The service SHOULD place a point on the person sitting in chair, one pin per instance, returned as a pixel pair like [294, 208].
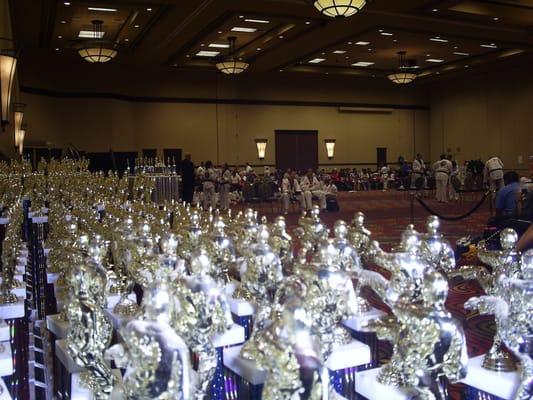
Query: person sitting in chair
[311, 188]
[290, 189]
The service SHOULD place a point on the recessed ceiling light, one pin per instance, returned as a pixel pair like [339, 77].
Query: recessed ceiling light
[434, 60]
[102, 9]
[174, 65]
[67, 3]
[490, 46]
[241, 16]
[202, 44]
[428, 55]
[323, 53]
[219, 45]
[363, 64]
[257, 21]
[339, 52]
[369, 49]
[136, 26]
[438, 73]
[57, 48]
[148, 9]
[281, 36]
[259, 49]
[381, 30]
[438, 39]
[280, 70]
[307, 23]
[63, 22]
[91, 35]
[395, 40]
[126, 40]
[361, 43]
[495, 19]
[188, 56]
[460, 53]
[466, 66]
[435, 10]
[220, 32]
[455, 47]
[206, 53]
[60, 37]
[243, 29]
[386, 34]
[316, 60]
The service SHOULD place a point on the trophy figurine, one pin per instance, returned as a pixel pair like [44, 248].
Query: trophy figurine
[428, 343]
[204, 312]
[504, 263]
[90, 330]
[155, 357]
[438, 250]
[358, 235]
[289, 353]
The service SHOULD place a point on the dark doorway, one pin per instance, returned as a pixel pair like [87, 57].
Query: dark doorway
[297, 150]
[381, 153]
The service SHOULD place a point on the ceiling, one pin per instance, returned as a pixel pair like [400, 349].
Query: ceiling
[444, 37]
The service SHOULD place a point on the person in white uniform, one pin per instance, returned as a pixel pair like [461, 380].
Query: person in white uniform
[384, 173]
[442, 169]
[224, 186]
[290, 188]
[209, 180]
[493, 174]
[418, 170]
[454, 178]
[311, 187]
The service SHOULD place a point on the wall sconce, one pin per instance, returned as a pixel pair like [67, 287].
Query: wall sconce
[261, 147]
[8, 65]
[19, 117]
[330, 147]
[19, 138]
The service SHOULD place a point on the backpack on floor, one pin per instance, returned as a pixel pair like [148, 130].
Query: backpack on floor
[332, 205]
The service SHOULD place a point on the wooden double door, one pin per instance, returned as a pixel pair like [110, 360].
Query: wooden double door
[297, 150]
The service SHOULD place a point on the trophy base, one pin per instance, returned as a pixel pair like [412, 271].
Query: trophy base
[362, 305]
[117, 288]
[125, 308]
[499, 361]
[8, 298]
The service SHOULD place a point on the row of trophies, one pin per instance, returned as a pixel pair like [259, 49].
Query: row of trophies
[152, 165]
[189, 264]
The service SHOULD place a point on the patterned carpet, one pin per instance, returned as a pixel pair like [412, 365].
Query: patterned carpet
[387, 214]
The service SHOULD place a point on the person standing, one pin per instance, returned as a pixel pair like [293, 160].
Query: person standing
[454, 182]
[187, 178]
[493, 174]
[442, 169]
[418, 172]
[209, 179]
[224, 187]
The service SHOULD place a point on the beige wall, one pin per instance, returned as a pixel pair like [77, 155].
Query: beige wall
[486, 115]
[222, 133]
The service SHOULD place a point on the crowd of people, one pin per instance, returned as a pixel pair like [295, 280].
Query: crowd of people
[220, 186]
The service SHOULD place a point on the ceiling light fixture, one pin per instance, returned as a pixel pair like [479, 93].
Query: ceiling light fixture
[8, 66]
[405, 73]
[91, 35]
[148, 9]
[243, 29]
[434, 60]
[67, 3]
[97, 50]
[231, 65]
[102, 9]
[386, 34]
[207, 53]
[316, 60]
[438, 39]
[219, 45]
[339, 8]
[257, 21]
[362, 43]
[460, 53]
[339, 51]
[363, 64]
[489, 46]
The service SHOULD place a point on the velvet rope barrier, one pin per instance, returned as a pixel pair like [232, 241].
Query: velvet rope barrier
[455, 218]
